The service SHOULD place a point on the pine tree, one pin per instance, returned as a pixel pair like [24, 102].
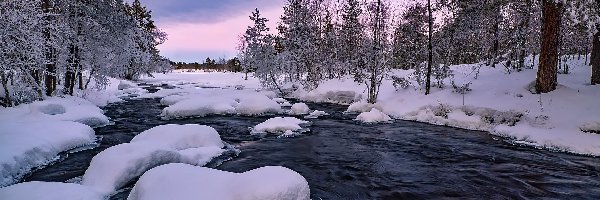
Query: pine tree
[547, 77]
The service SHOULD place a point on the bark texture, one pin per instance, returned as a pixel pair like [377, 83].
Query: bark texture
[547, 72]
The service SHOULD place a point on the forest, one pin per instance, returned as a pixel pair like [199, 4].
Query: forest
[53, 47]
[320, 40]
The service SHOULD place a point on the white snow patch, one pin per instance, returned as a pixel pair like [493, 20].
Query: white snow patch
[373, 116]
[202, 102]
[278, 125]
[316, 114]
[124, 84]
[183, 182]
[118, 165]
[299, 109]
[27, 144]
[48, 191]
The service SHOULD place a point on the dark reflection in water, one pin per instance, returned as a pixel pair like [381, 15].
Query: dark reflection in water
[343, 159]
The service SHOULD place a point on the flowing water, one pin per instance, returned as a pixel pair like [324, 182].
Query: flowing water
[343, 159]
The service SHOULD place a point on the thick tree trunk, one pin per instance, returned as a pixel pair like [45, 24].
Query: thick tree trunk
[430, 48]
[547, 72]
[595, 60]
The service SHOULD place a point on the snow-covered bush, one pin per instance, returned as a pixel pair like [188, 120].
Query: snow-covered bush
[400, 82]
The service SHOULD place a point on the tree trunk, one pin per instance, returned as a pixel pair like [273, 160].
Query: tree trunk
[595, 60]
[546, 75]
[430, 48]
[8, 101]
[50, 79]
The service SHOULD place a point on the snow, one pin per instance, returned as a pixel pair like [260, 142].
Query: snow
[57, 109]
[316, 114]
[498, 102]
[33, 135]
[205, 79]
[181, 181]
[279, 125]
[299, 109]
[48, 191]
[28, 144]
[201, 102]
[373, 116]
[124, 84]
[116, 166]
[341, 91]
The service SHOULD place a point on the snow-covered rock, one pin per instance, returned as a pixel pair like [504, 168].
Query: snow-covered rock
[183, 182]
[316, 114]
[124, 84]
[27, 144]
[360, 107]
[299, 109]
[117, 165]
[279, 125]
[65, 109]
[48, 191]
[202, 102]
[373, 116]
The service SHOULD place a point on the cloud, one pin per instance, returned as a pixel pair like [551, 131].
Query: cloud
[204, 11]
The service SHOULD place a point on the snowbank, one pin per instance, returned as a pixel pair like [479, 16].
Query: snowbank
[181, 181]
[299, 109]
[116, 166]
[498, 102]
[202, 102]
[57, 109]
[373, 116]
[124, 84]
[341, 91]
[278, 125]
[205, 79]
[48, 191]
[25, 145]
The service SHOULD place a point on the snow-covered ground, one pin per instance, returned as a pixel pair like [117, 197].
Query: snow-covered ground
[498, 102]
[183, 182]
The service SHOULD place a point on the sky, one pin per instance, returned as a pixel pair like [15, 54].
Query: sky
[207, 28]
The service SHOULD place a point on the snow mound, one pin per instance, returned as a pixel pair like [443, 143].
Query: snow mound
[279, 125]
[66, 109]
[126, 85]
[373, 116]
[118, 165]
[316, 114]
[48, 191]
[182, 182]
[202, 102]
[199, 107]
[360, 107]
[26, 145]
[590, 127]
[299, 109]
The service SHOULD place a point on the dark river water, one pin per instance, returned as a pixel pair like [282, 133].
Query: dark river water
[344, 159]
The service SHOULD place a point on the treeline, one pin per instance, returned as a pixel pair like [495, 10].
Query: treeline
[53, 47]
[220, 65]
[318, 40]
